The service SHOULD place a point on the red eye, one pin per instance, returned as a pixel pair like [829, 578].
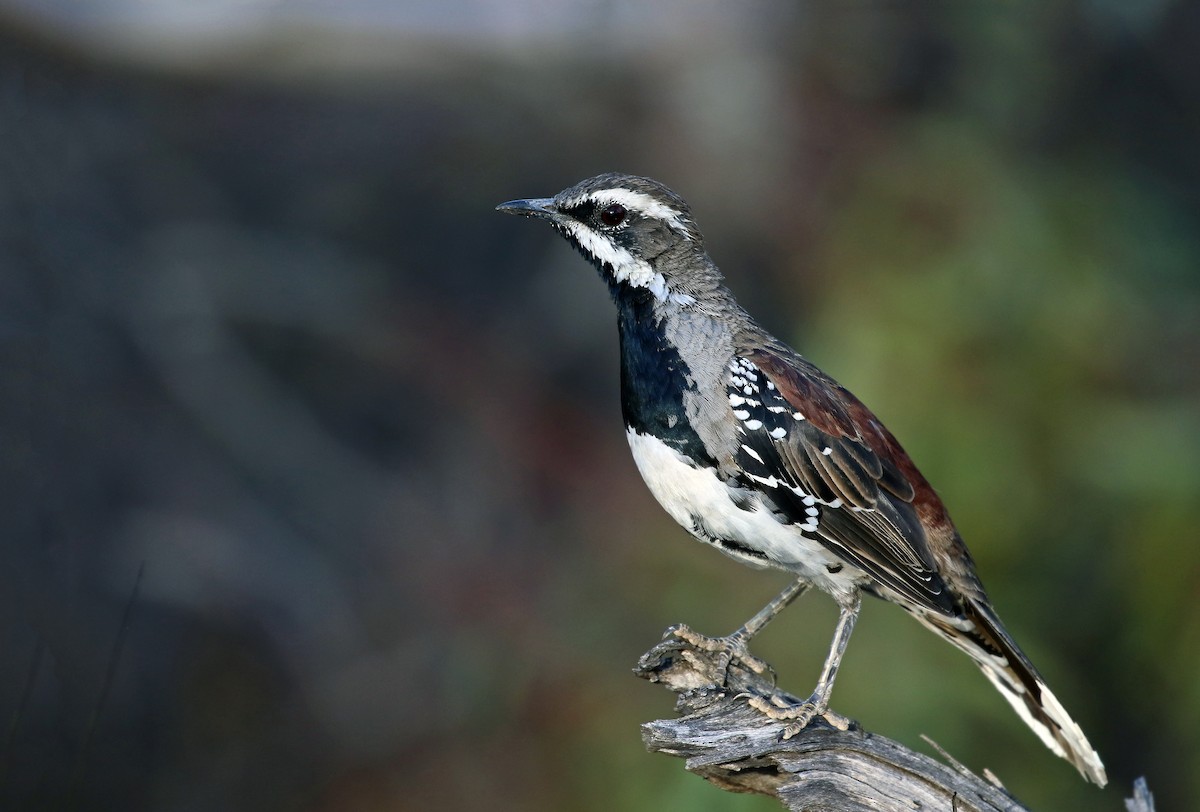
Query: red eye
[613, 215]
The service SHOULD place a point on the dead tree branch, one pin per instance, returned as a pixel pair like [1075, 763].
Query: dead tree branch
[822, 768]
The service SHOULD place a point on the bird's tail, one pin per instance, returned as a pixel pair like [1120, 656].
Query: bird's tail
[981, 635]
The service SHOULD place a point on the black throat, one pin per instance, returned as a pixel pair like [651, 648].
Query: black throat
[654, 378]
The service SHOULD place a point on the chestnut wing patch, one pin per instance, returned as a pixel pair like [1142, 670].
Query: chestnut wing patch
[801, 447]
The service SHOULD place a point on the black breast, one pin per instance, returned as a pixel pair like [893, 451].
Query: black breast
[653, 380]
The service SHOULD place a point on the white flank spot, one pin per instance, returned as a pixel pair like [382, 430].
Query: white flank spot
[754, 425]
[778, 434]
[752, 452]
[741, 414]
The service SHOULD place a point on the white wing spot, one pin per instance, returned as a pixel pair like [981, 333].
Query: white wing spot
[826, 451]
[741, 414]
[736, 400]
[797, 415]
[751, 452]
[812, 511]
[779, 433]
[769, 481]
[753, 425]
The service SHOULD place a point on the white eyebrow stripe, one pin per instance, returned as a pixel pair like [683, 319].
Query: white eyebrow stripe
[634, 201]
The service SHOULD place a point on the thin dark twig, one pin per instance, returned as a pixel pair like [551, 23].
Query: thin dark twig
[105, 688]
[30, 680]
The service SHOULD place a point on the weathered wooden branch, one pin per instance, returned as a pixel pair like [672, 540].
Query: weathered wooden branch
[822, 768]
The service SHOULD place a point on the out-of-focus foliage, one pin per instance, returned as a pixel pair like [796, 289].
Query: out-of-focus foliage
[262, 335]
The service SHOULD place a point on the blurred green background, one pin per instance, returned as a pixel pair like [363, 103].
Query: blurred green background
[262, 334]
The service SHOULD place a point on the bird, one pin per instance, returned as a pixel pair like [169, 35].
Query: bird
[754, 450]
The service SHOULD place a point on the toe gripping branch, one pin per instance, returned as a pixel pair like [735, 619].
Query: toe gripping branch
[706, 670]
[728, 733]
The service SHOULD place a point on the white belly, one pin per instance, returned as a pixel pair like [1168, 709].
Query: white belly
[688, 493]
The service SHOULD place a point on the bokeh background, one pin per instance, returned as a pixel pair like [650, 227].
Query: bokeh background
[316, 494]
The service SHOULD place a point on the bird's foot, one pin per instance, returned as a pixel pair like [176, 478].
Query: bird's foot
[798, 715]
[729, 650]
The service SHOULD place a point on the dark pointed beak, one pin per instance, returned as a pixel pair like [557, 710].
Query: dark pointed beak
[534, 207]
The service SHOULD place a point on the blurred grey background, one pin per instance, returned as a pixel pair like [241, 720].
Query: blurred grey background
[264, 341]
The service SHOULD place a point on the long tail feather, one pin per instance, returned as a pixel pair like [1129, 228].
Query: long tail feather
[981, 635]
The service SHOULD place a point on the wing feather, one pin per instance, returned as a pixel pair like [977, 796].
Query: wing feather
[803, 449]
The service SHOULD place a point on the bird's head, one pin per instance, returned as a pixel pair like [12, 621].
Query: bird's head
[636, 231]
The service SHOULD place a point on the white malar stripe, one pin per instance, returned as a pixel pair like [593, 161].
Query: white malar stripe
[626, 267]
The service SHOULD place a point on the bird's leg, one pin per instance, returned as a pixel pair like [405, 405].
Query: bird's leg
[798, 715]
[735, 646]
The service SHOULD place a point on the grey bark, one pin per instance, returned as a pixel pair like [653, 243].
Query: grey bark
[739, 749]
